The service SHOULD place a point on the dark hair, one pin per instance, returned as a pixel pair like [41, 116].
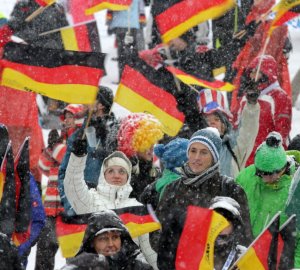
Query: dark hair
[54, 138]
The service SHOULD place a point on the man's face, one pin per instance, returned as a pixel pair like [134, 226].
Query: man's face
[108, 243]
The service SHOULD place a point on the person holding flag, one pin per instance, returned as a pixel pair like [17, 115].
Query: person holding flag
[112, 191]
[267, 183]
[199, 184]
[106, 235]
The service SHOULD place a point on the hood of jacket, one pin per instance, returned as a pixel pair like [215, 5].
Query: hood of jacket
[112, 191]
[102, 220]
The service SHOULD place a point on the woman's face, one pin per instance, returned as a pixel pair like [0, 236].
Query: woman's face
[116, 175]
[199, 158]
[108, 243]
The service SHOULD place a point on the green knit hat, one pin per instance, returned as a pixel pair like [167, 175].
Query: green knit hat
[270, 156]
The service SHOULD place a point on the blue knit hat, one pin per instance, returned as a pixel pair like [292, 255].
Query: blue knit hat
[173, 154]
[210, 137]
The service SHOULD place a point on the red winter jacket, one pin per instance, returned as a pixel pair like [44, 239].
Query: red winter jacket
[275, 106]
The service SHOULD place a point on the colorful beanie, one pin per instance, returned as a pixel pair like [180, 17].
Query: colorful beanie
[270, 156]
[210, 137]
[173, 154]
[138, 132]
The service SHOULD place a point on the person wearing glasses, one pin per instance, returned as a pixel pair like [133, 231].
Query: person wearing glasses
[267, 183]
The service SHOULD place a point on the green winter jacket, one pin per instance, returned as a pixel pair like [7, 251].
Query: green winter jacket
[265, 200]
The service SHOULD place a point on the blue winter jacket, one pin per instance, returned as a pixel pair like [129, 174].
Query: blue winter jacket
[38, 218]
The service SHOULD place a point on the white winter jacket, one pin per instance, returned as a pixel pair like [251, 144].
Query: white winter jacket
[105, 196]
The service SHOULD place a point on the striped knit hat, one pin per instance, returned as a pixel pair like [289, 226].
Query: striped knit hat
[210, 137]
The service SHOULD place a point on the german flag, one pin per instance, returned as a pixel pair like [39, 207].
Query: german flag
[196, 244]
[69, 237]
[69, 76]
[137, 220]
[287, 244]
[176, 17]
[139, 92]
[44, 3]
[7, 192]
[116, 5]
[285, 11]
[22, 178]
[192, 80]
[262, 253]
[83, 37]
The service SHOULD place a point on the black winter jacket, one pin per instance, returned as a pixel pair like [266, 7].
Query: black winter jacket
[126, 258]
[9, 259]
[179, 195]
[52, 17]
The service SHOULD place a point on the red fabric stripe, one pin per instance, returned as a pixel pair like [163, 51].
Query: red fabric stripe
[128, 217]
[65, 229]
[82, 37]
[162, 99]
[193, 237]
[286, 17]
[41, 3]
[262, 248]
[77, 10]
[68, 74]
[181, 12]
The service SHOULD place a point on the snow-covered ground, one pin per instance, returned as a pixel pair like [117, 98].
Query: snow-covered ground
[107, 43]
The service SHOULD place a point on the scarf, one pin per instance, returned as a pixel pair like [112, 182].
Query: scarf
[190, 178]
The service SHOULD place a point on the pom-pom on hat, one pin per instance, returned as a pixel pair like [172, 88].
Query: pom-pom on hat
[270, 156]
[173, 154]
[210, 137]
[138, 132]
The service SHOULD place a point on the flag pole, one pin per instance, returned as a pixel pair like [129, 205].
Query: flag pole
[65, 27]
[37, 12]
[261, 58]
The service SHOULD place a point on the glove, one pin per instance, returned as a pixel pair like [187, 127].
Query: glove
[152, 57]
[79, 147]
[252, 92]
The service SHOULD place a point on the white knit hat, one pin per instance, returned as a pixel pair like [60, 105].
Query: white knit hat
[117, 161]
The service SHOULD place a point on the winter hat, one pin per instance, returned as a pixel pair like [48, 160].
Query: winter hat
[210, 137]
[270, 156]
[210, 101]
[105, 96]
[118, 159]
[268, 67]
[138, 132]
[173, 154]
[76, 110]
[228, 208]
